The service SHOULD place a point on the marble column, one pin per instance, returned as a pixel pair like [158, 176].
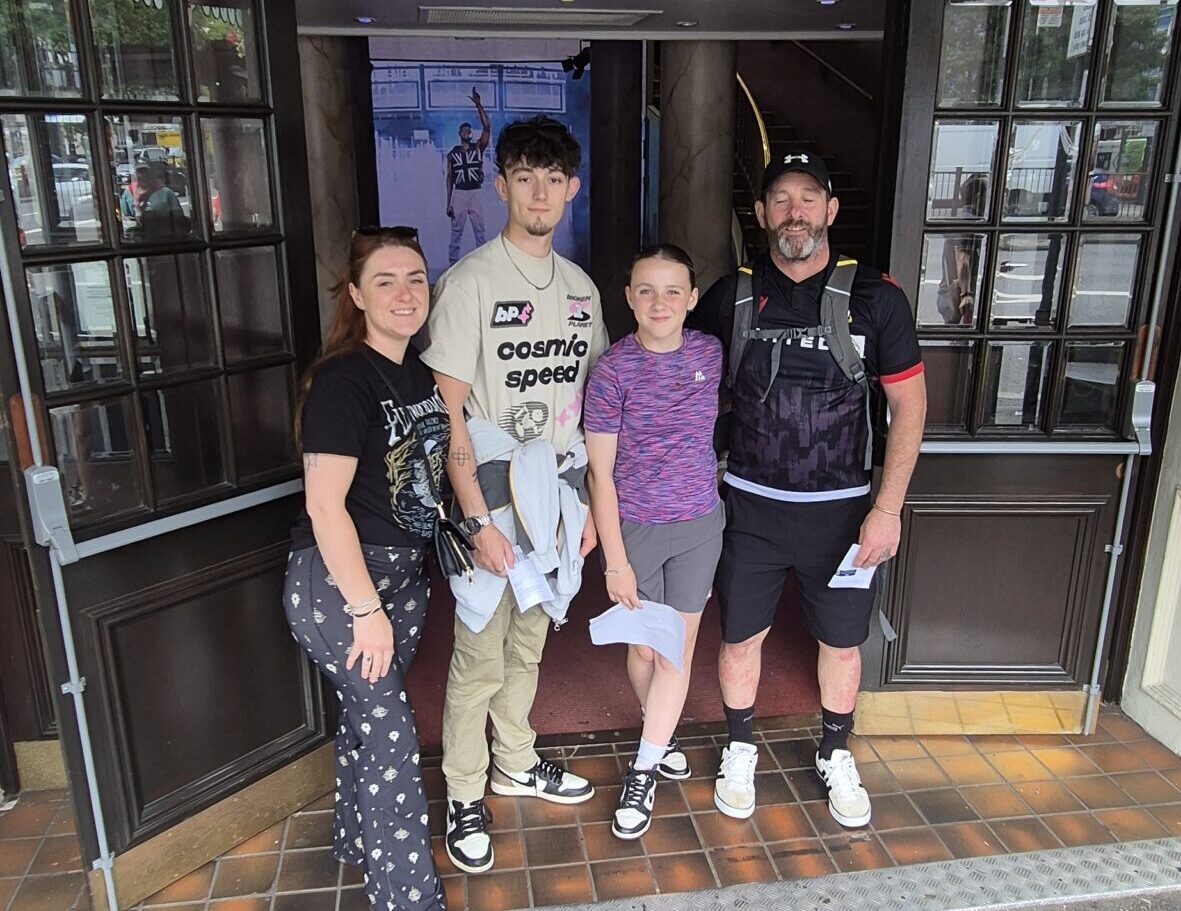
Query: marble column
[328, 123]
[697, 92]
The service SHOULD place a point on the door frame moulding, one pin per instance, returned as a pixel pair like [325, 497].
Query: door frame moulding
[1165, 617]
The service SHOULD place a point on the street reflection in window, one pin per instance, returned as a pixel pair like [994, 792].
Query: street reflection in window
[38, 53]
[152, 193]
[1015, 385]
[75, 324]
[1027, 283]
[133, 39]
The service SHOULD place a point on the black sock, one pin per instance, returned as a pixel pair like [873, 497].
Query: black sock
[741, 723]
[836, 727]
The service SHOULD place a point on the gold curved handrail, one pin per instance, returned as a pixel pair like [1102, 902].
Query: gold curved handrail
[758, 119]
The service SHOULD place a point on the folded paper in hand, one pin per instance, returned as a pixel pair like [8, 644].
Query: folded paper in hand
[530, 587]
[657, 626]
[848, 576]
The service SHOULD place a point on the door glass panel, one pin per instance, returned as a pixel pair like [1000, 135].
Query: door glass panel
[962, 159]
[1055, 56]
[251, 306]
[239, 173]
[260, 413]
[1122, 159]
[133, 41]
[96, 456]
[38, 55]
[1104, 279]
[1041, 170]
[151, 177]
[74, 321]
[972, 61]
[183, 429]
[169, 312]
[1027, 284]
[948, 368]
[1090, 393]
[1138, 55]
[51, 179]
[952, 275]
[1016, 382]
[224, 56]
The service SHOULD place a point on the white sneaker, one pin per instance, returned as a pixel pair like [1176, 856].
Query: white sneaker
[734, 789]
[633, 816]
[848, 801]
[468, 844]
[546, 780]
[674, 765]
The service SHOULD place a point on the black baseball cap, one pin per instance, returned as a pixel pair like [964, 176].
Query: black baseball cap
[797, 160]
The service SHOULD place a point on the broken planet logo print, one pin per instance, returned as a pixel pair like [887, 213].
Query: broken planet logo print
[511, 313]
[579, 309]
[524, 422]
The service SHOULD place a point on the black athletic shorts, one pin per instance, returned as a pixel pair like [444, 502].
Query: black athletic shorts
[765, 538]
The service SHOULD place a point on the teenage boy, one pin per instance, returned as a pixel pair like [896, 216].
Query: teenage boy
[514, 331]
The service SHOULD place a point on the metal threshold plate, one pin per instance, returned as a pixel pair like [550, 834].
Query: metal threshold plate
[1062, 876]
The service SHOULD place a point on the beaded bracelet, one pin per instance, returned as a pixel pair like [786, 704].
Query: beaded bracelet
[617, 570]
[351, 609]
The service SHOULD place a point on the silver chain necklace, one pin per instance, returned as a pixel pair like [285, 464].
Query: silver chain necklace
[553, 267]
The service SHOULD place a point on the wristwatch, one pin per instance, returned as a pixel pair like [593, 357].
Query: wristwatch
[472, 524]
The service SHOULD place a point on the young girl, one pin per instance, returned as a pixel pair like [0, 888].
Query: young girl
[651, 402]
[372, 426]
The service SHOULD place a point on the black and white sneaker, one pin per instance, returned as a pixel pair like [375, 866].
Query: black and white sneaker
[675, 765]
[546, 780]
[468, 844]
[634, 813]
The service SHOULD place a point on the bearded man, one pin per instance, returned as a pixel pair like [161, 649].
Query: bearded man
[797, 486]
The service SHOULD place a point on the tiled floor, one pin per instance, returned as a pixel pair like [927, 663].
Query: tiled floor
[935, 798]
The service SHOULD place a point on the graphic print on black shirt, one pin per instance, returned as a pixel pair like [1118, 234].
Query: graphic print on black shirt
[467, 167]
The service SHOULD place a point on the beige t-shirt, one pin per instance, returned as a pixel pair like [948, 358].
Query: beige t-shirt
[526, 353]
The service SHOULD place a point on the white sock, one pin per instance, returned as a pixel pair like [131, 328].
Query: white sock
[649, 754]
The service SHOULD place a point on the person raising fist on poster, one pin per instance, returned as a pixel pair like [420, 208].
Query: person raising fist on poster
[465, 179]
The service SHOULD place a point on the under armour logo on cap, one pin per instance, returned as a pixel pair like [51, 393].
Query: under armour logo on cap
[801, 157]
[804, 162]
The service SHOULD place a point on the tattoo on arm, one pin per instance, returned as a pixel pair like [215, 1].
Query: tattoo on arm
[461, 456]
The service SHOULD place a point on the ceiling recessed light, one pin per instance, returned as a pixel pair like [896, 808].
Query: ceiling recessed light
[827, 2]
[687, 23]
[365, 20]
[846, 26]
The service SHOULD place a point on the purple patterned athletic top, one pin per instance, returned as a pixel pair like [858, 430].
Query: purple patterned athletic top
[662, 407]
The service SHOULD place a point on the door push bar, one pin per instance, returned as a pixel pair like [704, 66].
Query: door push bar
[51, 524]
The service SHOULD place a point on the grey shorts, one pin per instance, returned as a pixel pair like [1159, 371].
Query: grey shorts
[674, 563]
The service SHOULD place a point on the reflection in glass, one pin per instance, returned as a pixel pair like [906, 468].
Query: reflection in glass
[961, 161]
[947, 367]
[169, 312]
[261, 414]
[51, 179]
[152, 195]
[224, 57]
[74, 321]
[38, 54]
[239, 173]
[1055, 55]
[952, 274]
[1041, 169]
[133, 40]
[183, 429]
[251, 306]
[1090, 393]
[1121, 167]
[96, 458]
[1138, 55]
[1027, 284]
[1104, 279]
[1017, 376]
[972, 61]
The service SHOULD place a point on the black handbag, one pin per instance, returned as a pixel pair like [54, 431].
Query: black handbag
[453, 545]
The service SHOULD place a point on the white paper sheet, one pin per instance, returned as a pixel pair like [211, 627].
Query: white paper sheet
[847, 576]
[530, 587]
[657, 626]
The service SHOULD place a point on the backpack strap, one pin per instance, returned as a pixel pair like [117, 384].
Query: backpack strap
[834, 321]
[745, 315]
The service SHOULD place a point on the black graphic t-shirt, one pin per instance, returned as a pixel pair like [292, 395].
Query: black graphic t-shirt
[349, 411]
[467, 167]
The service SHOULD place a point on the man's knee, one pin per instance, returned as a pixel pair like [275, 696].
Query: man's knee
[839, 655]
[643, 653]
[746, 650]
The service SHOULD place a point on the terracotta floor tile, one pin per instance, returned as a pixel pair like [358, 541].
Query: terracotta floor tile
[264, 842]
[914, 774]
[669, 800]
[602, 845]
[968, 769]
[244, 875]
[47, 893]
[598, 770]
[621, 879]
[1131, 824]
[915, 846]
[454, 888]
[1147, 787]
[895, 811]
[1066, 761]
[683, 872]
[892, 748]
[772, 788]
[8, 889]
[1170, 817]
[539, 814]
[442, 862]
[304, 901]
[1156, 755]
[995, 743]
[1025, 834]
[437, 817]
[876, 778]
[721, 831]
[861, 852]
[1098, 792]
[561, 885]
[16, 854]
[309, 830]
[947, 745]
[304, 870]
[807, 784]
[27, 820]
[970, 839]
[672, 835]
[239, 904]
[699, 794]
[703, 761]
[498, 891]
[1048, 797]
[1019, 766]
[995, 801]
[1173, 775]
[802, 858]
[799, 754]
[602, 806]
[940, 806]
[862, 750]
[551, 847]
[354, 875]
[63, 823]
[195, 886]
[1121, 727]
[822, 821]
[745, 864]
[506, 813]
[1077, 829]
[783, 822]
[58, 854]
[1114, 757]
[1042, 741]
